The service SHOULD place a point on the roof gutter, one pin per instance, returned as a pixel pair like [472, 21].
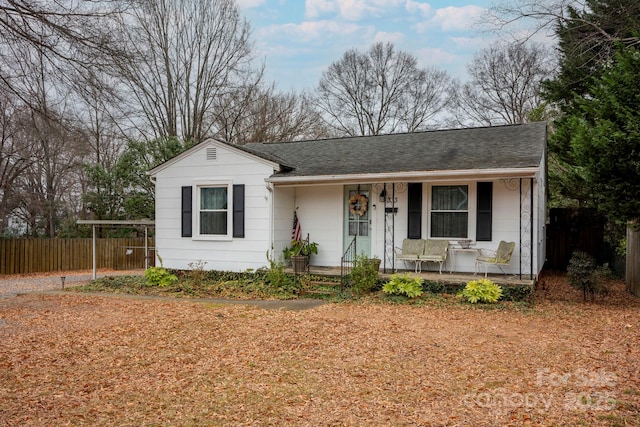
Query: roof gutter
[458, 175]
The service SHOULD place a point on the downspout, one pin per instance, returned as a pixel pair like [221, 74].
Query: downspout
[532, 223]
[520, 232]
[270, 200]
[155, 234]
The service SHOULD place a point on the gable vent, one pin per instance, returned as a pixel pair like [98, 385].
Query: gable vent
[212, 154]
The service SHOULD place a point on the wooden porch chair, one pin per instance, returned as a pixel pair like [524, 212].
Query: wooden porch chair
[500, 257]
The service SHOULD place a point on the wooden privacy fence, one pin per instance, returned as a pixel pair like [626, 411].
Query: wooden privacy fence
[572, 230]
[19, 256]
[632, 277]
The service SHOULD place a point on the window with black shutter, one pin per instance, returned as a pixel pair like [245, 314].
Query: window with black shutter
[186, 211]
[414, 220]
[238, 210]
[484, 215]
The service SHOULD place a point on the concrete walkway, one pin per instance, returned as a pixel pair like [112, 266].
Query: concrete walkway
[293, 304]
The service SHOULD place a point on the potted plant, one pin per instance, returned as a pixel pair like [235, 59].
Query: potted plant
[375, 263]
[300, 251]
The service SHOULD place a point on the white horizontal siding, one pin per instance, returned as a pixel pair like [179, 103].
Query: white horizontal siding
[320, 216]
[284, 206]
[237, 254]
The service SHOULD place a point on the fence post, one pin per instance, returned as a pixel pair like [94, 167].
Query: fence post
[632, 276]
[93, 275]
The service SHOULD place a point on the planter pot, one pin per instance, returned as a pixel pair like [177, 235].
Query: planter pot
[300, 263]
[375, 262]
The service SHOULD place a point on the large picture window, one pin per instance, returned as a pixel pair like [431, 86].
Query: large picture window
[213, 210]
[450, 211]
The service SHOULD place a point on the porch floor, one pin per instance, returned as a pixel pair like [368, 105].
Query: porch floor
[434, 276]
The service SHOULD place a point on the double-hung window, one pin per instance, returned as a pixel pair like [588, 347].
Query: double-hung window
[213, 210]
[450, 211]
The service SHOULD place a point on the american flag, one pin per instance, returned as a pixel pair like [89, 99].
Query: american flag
[296, 233]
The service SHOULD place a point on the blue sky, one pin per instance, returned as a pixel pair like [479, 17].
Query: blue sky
[298, 39]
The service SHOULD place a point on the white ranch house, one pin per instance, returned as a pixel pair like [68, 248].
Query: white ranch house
[229, 205]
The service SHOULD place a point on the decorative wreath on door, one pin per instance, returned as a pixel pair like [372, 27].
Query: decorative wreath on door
[358, 204]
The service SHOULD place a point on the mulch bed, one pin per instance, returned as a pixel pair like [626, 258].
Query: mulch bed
[86, 360]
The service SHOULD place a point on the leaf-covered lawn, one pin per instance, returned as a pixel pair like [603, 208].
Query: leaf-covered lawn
[84, 360]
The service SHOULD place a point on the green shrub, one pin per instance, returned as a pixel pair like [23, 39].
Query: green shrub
[435, 287]
[117, 284]
[511, 292]
[403, 285]
[524, 293]
[481, 290]
[364, 275]
[280, 284]
[159, 276]
[584, 275]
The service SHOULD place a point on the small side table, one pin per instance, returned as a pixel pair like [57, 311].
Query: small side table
[454, 250]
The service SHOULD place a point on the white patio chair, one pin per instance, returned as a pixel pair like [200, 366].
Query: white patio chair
[500, 257]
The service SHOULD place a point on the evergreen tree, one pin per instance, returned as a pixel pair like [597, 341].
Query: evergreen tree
[126, 191]
[588, 39]
[603, 132]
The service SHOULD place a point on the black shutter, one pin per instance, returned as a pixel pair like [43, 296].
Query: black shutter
[238, 210]
[485, 202]
[186, 211]
[414, 220]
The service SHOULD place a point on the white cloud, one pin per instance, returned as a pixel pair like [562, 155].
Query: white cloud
[384, 4]
[457, 18]
[353, 10]
[435, 56]
[472, 43]
[316, 8]
[312, 30]
[395, 38]
[417, 7]
[350, 10]
[248, 4]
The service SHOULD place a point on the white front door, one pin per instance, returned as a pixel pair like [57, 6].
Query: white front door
[357, 218]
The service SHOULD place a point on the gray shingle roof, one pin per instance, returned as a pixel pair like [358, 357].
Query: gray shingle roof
[514, 146]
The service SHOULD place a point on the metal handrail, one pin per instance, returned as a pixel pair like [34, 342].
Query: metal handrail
[347, 262]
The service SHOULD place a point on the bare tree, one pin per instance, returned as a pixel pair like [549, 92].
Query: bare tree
[381, 91]
[187, 54]
[257, 114]
[97, 117]
[56, 147]
[550, 15]
[49, 187]
[505, 84]
[74, 36]
[16, 155]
